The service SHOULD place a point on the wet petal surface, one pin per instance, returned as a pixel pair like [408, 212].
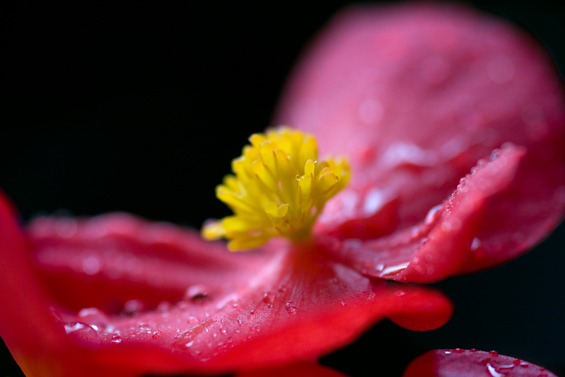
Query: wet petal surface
[472, 363]
[447, 241]
[178, 303]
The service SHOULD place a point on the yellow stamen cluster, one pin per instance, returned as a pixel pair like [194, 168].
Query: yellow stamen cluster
[279, 189]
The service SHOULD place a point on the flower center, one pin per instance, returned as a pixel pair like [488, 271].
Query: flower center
[279, 189]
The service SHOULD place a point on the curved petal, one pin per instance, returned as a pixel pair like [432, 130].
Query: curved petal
[27, 325]
[415, 95]
[449, 240]
[218, 311]
[471, 363]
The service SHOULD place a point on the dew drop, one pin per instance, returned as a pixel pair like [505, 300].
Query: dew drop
[458, 350]
[116, 339]
[447, 352]
[156, 334]
[93, 316]
[133, 307]
[144, 327]
[269, 298]
[493, 353]
[290, 308]
[196, 292]
[192, 320]
[189, 344]
[164, 306]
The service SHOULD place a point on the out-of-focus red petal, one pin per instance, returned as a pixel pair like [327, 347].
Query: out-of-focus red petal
[446, 242]
[27, 325]
[472, 363]
[141, 298]
[294, 370]
[415, 95]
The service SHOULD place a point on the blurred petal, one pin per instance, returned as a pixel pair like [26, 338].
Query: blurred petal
[472, 363]
[415, 95]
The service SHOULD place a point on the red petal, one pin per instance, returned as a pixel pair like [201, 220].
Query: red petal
[446, 242]
[219, 311]
[472, 363]
[415, 95]
[27, 325]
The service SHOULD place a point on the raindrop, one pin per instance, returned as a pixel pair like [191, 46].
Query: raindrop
[195, 292]
[192, 320]
[493, 354]
[269, 298]
[447, 352]
[80, 329]
[290, 308]
[164, 306]
[189, 344]
[116, 339]
[156, 334]
[132, 307]
[144, 327]
[93, 316]
[458, 350]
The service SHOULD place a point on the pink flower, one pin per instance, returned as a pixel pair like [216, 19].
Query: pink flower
[453, 125]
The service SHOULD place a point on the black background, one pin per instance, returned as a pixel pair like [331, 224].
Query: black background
[141, 109]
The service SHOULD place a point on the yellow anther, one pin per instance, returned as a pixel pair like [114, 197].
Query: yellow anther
[279, 189]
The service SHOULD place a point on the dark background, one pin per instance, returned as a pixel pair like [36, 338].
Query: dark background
[141, 109]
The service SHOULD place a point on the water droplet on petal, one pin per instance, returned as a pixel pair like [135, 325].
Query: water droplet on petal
[192, 320]
[196, 292]
[116, 339]
[133, 307]
[493, 354]
[269, 298]
[156, 334]
[290, 308]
